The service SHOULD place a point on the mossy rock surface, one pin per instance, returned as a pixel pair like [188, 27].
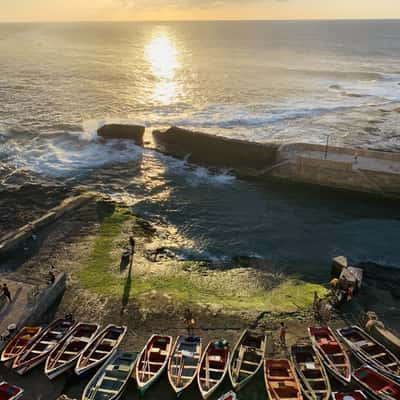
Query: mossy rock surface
[236, 288]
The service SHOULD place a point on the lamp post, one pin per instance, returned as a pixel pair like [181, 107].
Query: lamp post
[326, 146]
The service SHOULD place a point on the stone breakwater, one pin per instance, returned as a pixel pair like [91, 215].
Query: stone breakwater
[357, 170]
[360, 170]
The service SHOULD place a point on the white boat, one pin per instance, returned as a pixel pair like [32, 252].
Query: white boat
[101, 347]
[369, 351]
[67, 352]
[213, 368]
[247, 358]
[111, 380]
[152, 361]
[184, 362]
[37, 351]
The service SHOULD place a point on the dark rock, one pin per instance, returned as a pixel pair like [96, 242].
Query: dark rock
[212, 150]
[120, 131]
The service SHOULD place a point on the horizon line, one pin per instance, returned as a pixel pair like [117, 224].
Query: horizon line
[196, 20]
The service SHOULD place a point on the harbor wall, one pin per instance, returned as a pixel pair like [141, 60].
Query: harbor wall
[340, 175]
[14, 239]
[212, 150]
[378, 174]
[45, 301]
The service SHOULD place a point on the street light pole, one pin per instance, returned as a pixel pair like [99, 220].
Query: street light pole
[326, 147]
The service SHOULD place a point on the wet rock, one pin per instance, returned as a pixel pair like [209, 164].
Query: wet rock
[156, 253]
[121, 131]
[143, 227]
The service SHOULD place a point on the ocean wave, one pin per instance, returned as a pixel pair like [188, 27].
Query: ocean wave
[230, 118]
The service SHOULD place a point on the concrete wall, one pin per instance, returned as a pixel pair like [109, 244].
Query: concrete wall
[291, 149]
[341, 175]
[297, 162]
[45, 302]
[14, 239]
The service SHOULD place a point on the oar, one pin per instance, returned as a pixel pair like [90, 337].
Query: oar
[207, 372]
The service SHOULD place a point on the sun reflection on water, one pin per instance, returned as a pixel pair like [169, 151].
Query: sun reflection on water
[162, 55]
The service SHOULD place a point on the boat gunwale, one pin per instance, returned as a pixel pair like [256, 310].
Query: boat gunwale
[80, 370]
[207, 393]
[237, 385]
[365, 358]
[98, 375]
[144, 385]
[371, 393]
[294, 374]
[329, 365]
[55, 371]
[191, 380]
[14, 339]
[303, 380]
[27, 365]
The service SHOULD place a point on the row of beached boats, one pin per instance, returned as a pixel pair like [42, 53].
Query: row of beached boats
[64, 345]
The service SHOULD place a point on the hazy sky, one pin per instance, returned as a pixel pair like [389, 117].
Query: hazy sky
[59, 10]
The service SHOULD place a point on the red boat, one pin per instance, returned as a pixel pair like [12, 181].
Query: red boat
[281, 381]
[356, 395]
[331, 352]
[10, 392]
[377, 385]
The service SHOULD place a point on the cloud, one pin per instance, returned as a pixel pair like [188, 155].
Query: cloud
[185, 4]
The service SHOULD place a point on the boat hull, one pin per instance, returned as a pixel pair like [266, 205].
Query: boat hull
[366, 358]
[149, 359]
[250, 345]
[317, 335]
[378, 382]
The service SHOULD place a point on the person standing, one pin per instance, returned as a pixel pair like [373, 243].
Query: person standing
[6, 292]
[282, 334]
[132, 244]
[189, 321]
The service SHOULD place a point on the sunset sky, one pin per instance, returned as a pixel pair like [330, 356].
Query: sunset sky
[71, 10]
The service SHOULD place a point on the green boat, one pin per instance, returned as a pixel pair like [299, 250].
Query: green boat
[111, 380]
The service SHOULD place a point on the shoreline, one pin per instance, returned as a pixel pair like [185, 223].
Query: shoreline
[87, 243]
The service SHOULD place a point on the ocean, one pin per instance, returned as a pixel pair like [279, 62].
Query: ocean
[261, 81]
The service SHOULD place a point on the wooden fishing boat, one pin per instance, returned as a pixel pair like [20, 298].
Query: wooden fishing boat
[10, 392]
[37, 350]
[152, 361]
[19, 342]
[228, 396]
[281, 381]
[65, 353]
[370, 351]
[354, 395]
[385, 336]
[314, 380]
[331, 352]
[378, 386]
[111, 379]
[101, 347]
[184, 362]
[213, 368]
[247, 358]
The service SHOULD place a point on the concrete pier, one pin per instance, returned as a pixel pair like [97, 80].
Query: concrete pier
[30, 302]
[360, 170]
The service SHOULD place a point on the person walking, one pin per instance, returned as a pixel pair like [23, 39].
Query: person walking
[6, 292]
